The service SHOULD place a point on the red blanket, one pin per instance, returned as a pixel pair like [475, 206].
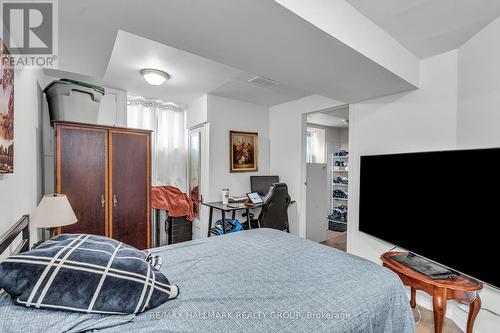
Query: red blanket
[171, 199]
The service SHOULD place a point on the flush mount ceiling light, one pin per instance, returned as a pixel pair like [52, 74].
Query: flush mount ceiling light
[155, 77]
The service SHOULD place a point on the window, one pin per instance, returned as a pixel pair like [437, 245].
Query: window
[168, 145]
[315, 145]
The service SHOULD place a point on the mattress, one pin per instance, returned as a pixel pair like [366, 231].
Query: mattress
[259, 280]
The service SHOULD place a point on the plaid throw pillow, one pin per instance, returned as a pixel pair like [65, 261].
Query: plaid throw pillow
[85, 273]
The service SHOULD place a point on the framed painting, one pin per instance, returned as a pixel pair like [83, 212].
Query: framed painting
[243, 151]
[6, 111]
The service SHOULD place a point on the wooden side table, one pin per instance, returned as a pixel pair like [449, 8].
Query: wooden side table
[461, 288]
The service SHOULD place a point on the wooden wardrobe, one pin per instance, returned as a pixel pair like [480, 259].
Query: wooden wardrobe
[106, 174]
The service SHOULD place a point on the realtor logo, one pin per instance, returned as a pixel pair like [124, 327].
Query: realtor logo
[29, 28]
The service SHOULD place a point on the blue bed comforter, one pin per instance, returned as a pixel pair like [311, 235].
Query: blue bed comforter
[254, 281]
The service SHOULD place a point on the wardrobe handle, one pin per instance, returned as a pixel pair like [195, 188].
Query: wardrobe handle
[115, 201]
[103, 201]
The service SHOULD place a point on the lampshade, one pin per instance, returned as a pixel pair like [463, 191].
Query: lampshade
[53, 211]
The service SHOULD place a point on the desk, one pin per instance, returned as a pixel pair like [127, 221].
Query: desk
[227, 209]
[461, 288]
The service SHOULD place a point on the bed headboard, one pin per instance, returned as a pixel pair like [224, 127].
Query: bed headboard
[21, 227]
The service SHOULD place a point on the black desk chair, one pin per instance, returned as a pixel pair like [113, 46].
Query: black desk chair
[261, 185]
[274, 212]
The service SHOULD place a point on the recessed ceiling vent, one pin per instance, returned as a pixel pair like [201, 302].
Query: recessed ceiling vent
[262, 82]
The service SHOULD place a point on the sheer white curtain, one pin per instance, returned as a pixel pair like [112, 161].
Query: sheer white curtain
[169, 154]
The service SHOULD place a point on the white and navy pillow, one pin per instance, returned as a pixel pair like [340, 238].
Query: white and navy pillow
[85, 273]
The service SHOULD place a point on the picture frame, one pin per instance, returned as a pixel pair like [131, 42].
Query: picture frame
[6, 112]
[243, 151]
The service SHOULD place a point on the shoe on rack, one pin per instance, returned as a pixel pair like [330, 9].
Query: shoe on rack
[341, 153]
[339, 194]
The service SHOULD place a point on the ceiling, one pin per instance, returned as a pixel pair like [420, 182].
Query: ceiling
[217, 46]
[430, 27]
[338, 118]
[241, 89]
[257, 37]
[191, 75]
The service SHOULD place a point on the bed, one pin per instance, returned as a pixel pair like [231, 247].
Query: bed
[260, 280]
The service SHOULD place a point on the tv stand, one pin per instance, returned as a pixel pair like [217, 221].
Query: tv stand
[460, 288]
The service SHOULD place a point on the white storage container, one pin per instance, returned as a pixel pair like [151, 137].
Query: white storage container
[74, 101]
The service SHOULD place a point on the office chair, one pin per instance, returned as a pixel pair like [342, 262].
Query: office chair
[274, 212]
[261, 185]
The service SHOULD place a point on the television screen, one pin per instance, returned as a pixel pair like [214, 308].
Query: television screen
[444, 206]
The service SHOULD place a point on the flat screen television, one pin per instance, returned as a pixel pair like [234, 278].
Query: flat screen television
[444, 206]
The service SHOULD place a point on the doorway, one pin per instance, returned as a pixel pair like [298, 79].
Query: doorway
[327, 176]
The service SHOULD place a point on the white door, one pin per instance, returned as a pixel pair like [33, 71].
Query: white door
[317, 202]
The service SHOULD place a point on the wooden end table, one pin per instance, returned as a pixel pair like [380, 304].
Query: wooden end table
[461, 288]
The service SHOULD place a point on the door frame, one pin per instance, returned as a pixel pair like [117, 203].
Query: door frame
[194, 133]
[302, 221]
[200, 224]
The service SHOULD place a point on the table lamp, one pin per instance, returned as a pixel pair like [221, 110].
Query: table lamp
[52, 212]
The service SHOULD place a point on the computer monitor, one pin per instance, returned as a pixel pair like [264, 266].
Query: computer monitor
[262, 184]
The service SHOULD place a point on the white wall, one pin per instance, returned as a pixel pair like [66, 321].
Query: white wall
[224, 115]
[221, 115]
[479, 120]
[422, 120]
[479, 89]
[287, 124]
[20, 191]
[344, 139]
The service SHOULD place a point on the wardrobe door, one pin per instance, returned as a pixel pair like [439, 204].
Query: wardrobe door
[130, 187]
[81, 172]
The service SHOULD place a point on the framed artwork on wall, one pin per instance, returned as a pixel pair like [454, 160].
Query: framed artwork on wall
[6, 111]
[243, 151]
